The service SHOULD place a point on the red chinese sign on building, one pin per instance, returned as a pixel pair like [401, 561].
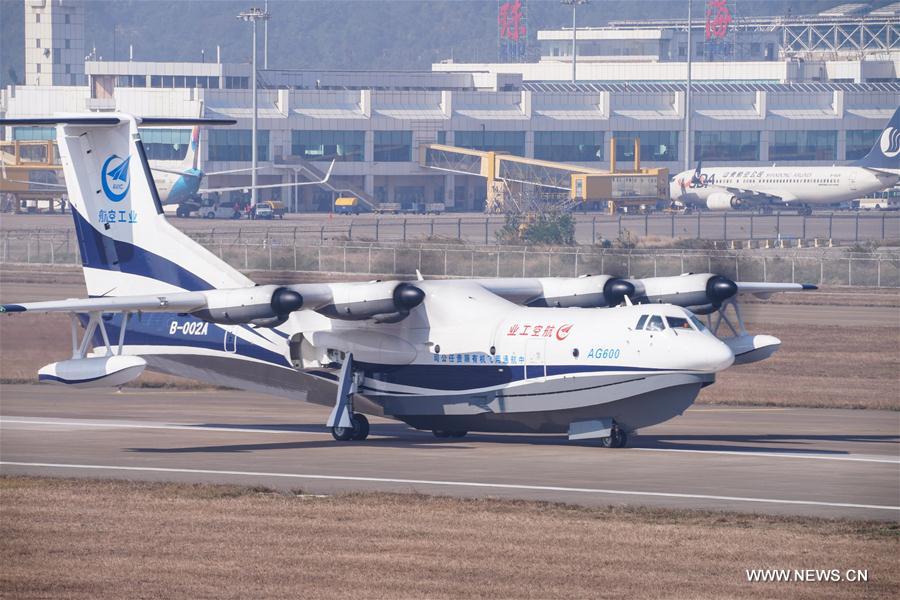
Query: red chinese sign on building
[718, 17]
[510, 21]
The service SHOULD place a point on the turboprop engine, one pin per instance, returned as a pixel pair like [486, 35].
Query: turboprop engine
[702, 293]
[270, 305]
[263, 306]
[723, 201]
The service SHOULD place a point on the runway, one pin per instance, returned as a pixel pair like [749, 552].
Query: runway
[830, 463]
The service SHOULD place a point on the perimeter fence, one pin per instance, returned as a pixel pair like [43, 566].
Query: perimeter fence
[821, 266]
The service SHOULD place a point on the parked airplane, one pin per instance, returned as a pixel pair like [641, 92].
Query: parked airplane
[733, 188]
[518, 355]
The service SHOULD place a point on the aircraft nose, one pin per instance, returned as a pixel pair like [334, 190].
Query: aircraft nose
[713, 356]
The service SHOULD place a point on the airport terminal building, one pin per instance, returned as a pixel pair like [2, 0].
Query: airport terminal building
[771, 100]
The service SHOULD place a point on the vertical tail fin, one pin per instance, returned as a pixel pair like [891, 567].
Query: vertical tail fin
[127, 246]
[885, 153]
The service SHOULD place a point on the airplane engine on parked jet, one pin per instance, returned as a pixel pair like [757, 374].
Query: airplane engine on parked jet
[723, 201]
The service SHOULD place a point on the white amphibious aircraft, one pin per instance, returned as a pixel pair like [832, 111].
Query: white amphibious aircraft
[517, 355]
[733, 188]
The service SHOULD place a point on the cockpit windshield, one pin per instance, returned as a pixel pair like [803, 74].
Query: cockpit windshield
[655, 323]
[698, 324]
[677, 323]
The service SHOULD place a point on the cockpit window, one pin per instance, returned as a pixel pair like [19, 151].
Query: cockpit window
[655, 324]
[698, 323]
[641, 322]
[677, 323]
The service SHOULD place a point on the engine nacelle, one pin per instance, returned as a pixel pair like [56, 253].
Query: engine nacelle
[702, 292]
[264, 306]
[568, 292]
[382, 301]
[95, 372]
[723, 201]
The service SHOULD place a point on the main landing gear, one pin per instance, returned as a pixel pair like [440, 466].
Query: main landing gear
[345, 424]
[618, 439]
[358, 430]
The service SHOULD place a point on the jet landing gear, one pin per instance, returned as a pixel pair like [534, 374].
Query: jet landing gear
[345, 424]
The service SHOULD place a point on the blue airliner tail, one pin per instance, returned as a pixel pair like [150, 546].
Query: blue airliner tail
[885, 153]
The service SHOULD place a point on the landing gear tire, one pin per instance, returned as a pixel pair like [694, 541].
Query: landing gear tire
[358, 431]
[618, 439]
[440, 433]
[182, 212]
[360, 427]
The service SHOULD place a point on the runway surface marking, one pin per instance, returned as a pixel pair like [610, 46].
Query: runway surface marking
[87, 424]
[430, 482]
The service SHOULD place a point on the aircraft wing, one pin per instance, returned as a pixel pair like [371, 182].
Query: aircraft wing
[182, 301]
[764, 290]
[269, 186]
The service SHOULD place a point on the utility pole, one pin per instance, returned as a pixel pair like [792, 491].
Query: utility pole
[253, 15]
[574, 4]
[266, 38]
[687, 92]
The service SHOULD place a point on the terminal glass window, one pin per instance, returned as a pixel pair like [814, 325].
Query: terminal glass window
[726, 145]
[166, 144]
[344, 146]
[393, 146]
[34, 133]
[655, 145]
[568, 146]
[234, 144]
[512, 142]
[237, 83]
[803, 145]
[860, 141]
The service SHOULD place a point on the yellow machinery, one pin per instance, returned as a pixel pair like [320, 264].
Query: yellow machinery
[507, 175]
[30, 176]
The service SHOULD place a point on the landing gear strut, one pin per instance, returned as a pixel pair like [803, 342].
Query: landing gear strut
[345, 424]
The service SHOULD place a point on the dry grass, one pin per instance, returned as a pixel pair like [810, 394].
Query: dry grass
[821, 366]
[64, 538]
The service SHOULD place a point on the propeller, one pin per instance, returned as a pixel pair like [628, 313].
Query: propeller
[615, 290]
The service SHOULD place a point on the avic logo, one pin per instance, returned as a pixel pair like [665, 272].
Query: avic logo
[114, 178]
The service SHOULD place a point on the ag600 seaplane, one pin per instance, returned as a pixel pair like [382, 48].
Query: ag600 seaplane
[595, 357]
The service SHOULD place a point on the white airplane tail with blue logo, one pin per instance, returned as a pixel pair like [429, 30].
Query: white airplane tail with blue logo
[127, 246]
[885, 153]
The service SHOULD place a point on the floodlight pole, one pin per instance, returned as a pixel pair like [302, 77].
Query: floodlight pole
[574, 4]
[687, 92]
[253, 15]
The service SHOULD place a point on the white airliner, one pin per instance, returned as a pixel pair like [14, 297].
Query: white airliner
[595, 357]
[734, 188]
